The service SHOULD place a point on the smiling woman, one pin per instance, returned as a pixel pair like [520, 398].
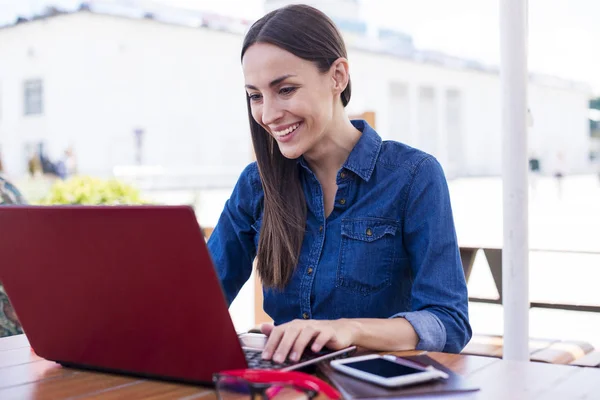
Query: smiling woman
[296, 84]
[354, 237]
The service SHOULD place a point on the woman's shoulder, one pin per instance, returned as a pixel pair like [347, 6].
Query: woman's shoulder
[397, 154]
[251, 176]
[248, 190]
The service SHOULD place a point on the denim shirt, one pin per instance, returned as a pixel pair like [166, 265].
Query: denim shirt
[387, 250]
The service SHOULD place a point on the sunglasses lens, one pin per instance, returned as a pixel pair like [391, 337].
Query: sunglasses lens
[230, 388]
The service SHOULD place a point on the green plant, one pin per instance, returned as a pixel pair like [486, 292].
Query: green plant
[87, 190]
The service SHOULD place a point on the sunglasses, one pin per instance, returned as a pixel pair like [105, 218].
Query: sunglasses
[251, 384]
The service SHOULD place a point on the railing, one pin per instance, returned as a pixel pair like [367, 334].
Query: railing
[494, 259]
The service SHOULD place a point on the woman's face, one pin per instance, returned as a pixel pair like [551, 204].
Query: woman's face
[289, 97]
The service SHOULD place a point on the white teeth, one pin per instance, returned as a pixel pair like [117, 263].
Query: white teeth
[286, 131]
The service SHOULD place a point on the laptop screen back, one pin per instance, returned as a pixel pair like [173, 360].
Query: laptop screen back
[125, 288]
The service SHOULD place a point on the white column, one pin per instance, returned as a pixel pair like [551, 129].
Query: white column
[515, 255]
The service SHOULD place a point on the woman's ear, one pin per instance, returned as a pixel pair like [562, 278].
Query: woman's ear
[340, 75]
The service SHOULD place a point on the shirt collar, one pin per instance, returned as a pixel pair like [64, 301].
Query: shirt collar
[363, 157]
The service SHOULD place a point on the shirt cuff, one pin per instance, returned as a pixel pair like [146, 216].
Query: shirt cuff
[429, 328]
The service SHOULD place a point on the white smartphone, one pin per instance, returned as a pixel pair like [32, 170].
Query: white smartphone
[387, 370]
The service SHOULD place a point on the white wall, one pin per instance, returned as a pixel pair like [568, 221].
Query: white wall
[105, 76]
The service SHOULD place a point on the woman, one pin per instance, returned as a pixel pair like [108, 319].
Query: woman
[354, 237]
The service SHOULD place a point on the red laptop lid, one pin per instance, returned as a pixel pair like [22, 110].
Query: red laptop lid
[127, 288]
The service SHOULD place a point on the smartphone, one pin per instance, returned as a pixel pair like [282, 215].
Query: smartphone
[387, 370]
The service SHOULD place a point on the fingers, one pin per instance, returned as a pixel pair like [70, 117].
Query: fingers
[324, 338]
[303, 339]
[266, 329]
[281, 340]
[274, 338]
[290, 334]
[291, 339]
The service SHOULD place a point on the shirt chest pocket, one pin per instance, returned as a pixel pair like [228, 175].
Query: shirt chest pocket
[367, 254]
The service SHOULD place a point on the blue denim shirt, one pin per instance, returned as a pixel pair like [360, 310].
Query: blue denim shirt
[387, 250]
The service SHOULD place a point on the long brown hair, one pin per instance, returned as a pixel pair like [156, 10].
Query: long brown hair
[309, 34]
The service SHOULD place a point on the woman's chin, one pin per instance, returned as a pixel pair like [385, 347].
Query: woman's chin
[290, 152]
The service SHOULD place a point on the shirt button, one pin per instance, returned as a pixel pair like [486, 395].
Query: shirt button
[342, 175]
[321, 228]
[305, 315]
[369, 232]
[309, 271]
[342, 201]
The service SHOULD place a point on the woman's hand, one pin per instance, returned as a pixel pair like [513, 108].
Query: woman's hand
[293, 337]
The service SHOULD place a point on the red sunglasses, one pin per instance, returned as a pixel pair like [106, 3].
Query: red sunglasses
[269, 384]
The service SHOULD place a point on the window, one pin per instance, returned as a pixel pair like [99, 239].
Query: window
[34, 97]
[428, 139]
[454, 121]
[400, 128]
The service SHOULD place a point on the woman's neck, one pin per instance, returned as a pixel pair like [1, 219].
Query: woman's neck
[328, 156]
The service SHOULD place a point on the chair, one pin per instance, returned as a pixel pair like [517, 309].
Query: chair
[9, 323]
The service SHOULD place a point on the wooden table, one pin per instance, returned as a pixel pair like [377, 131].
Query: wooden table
[23, 375]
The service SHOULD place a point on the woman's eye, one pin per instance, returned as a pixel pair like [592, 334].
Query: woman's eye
[254, 97]
[287, 90]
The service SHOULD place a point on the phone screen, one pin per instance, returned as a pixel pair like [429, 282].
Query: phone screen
[382, 367]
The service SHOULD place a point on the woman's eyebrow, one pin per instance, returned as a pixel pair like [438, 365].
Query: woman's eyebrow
[274, 82]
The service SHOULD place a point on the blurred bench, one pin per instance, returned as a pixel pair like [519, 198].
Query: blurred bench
[591, 359]
[540, 350]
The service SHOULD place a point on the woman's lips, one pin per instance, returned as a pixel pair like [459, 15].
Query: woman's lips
[287, 134]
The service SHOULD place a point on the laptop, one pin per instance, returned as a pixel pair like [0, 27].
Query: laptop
[124, 289]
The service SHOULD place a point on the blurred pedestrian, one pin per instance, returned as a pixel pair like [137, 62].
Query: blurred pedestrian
[559, 172]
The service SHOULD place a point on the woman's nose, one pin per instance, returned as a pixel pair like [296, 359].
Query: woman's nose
[271, 112]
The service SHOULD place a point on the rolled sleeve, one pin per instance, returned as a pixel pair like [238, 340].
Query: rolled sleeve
[429, 328]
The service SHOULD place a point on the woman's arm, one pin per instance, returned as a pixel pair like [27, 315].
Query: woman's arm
[439, 299]
[231, 244]
[394, 334]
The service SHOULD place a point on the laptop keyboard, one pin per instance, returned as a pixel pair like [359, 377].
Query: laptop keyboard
[255, 361]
